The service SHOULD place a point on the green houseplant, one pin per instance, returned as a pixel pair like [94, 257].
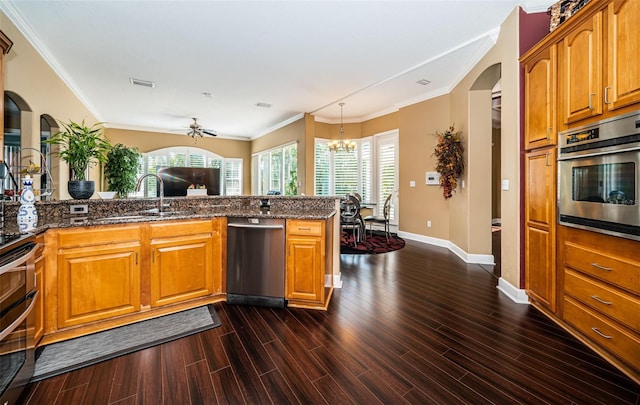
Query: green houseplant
[121, 169]
[81, 147]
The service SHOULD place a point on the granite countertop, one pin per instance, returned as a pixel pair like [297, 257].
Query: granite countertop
[140, 211]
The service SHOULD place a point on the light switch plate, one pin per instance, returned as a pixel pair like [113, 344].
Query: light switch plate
[412, 183]
[505, 184]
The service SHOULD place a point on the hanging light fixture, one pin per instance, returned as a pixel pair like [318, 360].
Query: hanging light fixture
[341, 144]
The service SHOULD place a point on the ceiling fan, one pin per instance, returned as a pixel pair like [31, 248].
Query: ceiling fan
[196, 129]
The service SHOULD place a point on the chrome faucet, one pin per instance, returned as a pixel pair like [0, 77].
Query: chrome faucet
[161, 188]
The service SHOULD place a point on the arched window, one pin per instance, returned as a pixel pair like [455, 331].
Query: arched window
[230, 169]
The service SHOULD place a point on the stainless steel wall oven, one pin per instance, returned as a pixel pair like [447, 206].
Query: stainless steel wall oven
[598, 176]
[17, 298]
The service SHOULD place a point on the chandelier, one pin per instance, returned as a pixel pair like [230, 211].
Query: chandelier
[341, 144]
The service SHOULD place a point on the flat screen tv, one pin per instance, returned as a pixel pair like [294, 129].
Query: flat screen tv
[178, 179]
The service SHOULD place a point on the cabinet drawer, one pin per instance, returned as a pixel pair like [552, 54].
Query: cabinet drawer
[607, 334]
[623, 272]
[180, 228]
[309, 228]
[612, 302]
[100, 235]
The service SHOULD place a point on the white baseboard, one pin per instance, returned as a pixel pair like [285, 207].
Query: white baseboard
[517, 295]
[466, 257]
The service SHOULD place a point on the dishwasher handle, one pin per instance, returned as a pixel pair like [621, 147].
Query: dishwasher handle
[255, 226]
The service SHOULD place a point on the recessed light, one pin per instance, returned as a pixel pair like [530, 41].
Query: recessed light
[139, 82]
[423, 82]
[207, 95]
[263, 105]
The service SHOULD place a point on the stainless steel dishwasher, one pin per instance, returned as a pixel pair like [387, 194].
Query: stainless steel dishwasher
[256, 261]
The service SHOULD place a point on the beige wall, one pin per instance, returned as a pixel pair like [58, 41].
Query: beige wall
[29, 76]
[417, 140]
[468, 229]
[150, 141]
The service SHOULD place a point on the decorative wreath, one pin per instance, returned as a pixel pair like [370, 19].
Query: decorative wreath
[449, 153]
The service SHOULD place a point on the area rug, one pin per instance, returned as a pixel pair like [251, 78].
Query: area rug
[372, 245]
[62, 357]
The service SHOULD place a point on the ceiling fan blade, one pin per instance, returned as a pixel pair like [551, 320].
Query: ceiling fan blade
[209, 132]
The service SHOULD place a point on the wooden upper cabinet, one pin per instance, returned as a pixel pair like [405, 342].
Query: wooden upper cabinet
[580, 71]
[623, 54]
[540, 99]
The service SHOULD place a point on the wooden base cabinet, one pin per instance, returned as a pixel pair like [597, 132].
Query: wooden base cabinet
[601, 294]
[101, 277]
[98, 274]
[181, 262]
[309, 258]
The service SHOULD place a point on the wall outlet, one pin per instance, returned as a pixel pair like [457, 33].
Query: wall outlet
[412, 183]
[428, 224]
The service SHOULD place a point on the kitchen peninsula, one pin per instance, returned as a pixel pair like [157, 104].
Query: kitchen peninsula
[107, 263]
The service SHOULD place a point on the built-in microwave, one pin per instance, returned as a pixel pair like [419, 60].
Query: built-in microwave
[598, 176]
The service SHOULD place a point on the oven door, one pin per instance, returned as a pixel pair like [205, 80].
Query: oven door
[17, 360]
[600, 193]
[17, 300]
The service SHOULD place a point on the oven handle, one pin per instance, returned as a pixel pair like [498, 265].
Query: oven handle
[572, 156]
[10, 266]
[33, 296]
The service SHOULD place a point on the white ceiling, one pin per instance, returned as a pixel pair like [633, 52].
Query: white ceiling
[299, 56]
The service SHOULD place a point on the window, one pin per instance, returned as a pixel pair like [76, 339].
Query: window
[277, 170]
[230, 173]
[370, 170]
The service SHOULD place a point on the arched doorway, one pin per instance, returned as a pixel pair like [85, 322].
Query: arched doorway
[485, 132]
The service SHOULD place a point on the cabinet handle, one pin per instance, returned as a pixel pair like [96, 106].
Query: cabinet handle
[546, 159]
[591, 100]
[606, 94]
[153, 256]
[601, 267]
[600, 333]
[304, 229]
[136, 257]
[548, 133]
[600, 300]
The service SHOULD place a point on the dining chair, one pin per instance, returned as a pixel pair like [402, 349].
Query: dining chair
[350, 217]
[384, 219]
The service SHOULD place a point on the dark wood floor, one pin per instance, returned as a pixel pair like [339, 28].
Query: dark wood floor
[413, 326]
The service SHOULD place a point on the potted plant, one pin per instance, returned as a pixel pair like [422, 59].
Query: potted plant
[121, 169]
[81, 147]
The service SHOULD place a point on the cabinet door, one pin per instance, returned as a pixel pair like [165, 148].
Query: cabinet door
[38, 310]
[97, 282]
[580, 71]
[623, 53]
[540, 99]
[181, 269]
[305, 275]
[540, 226]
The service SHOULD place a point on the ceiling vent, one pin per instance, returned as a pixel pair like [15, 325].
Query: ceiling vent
[139, 82]
[423, 82]
[263, 105]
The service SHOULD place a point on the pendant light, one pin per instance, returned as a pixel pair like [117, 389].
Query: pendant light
[341, 144]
